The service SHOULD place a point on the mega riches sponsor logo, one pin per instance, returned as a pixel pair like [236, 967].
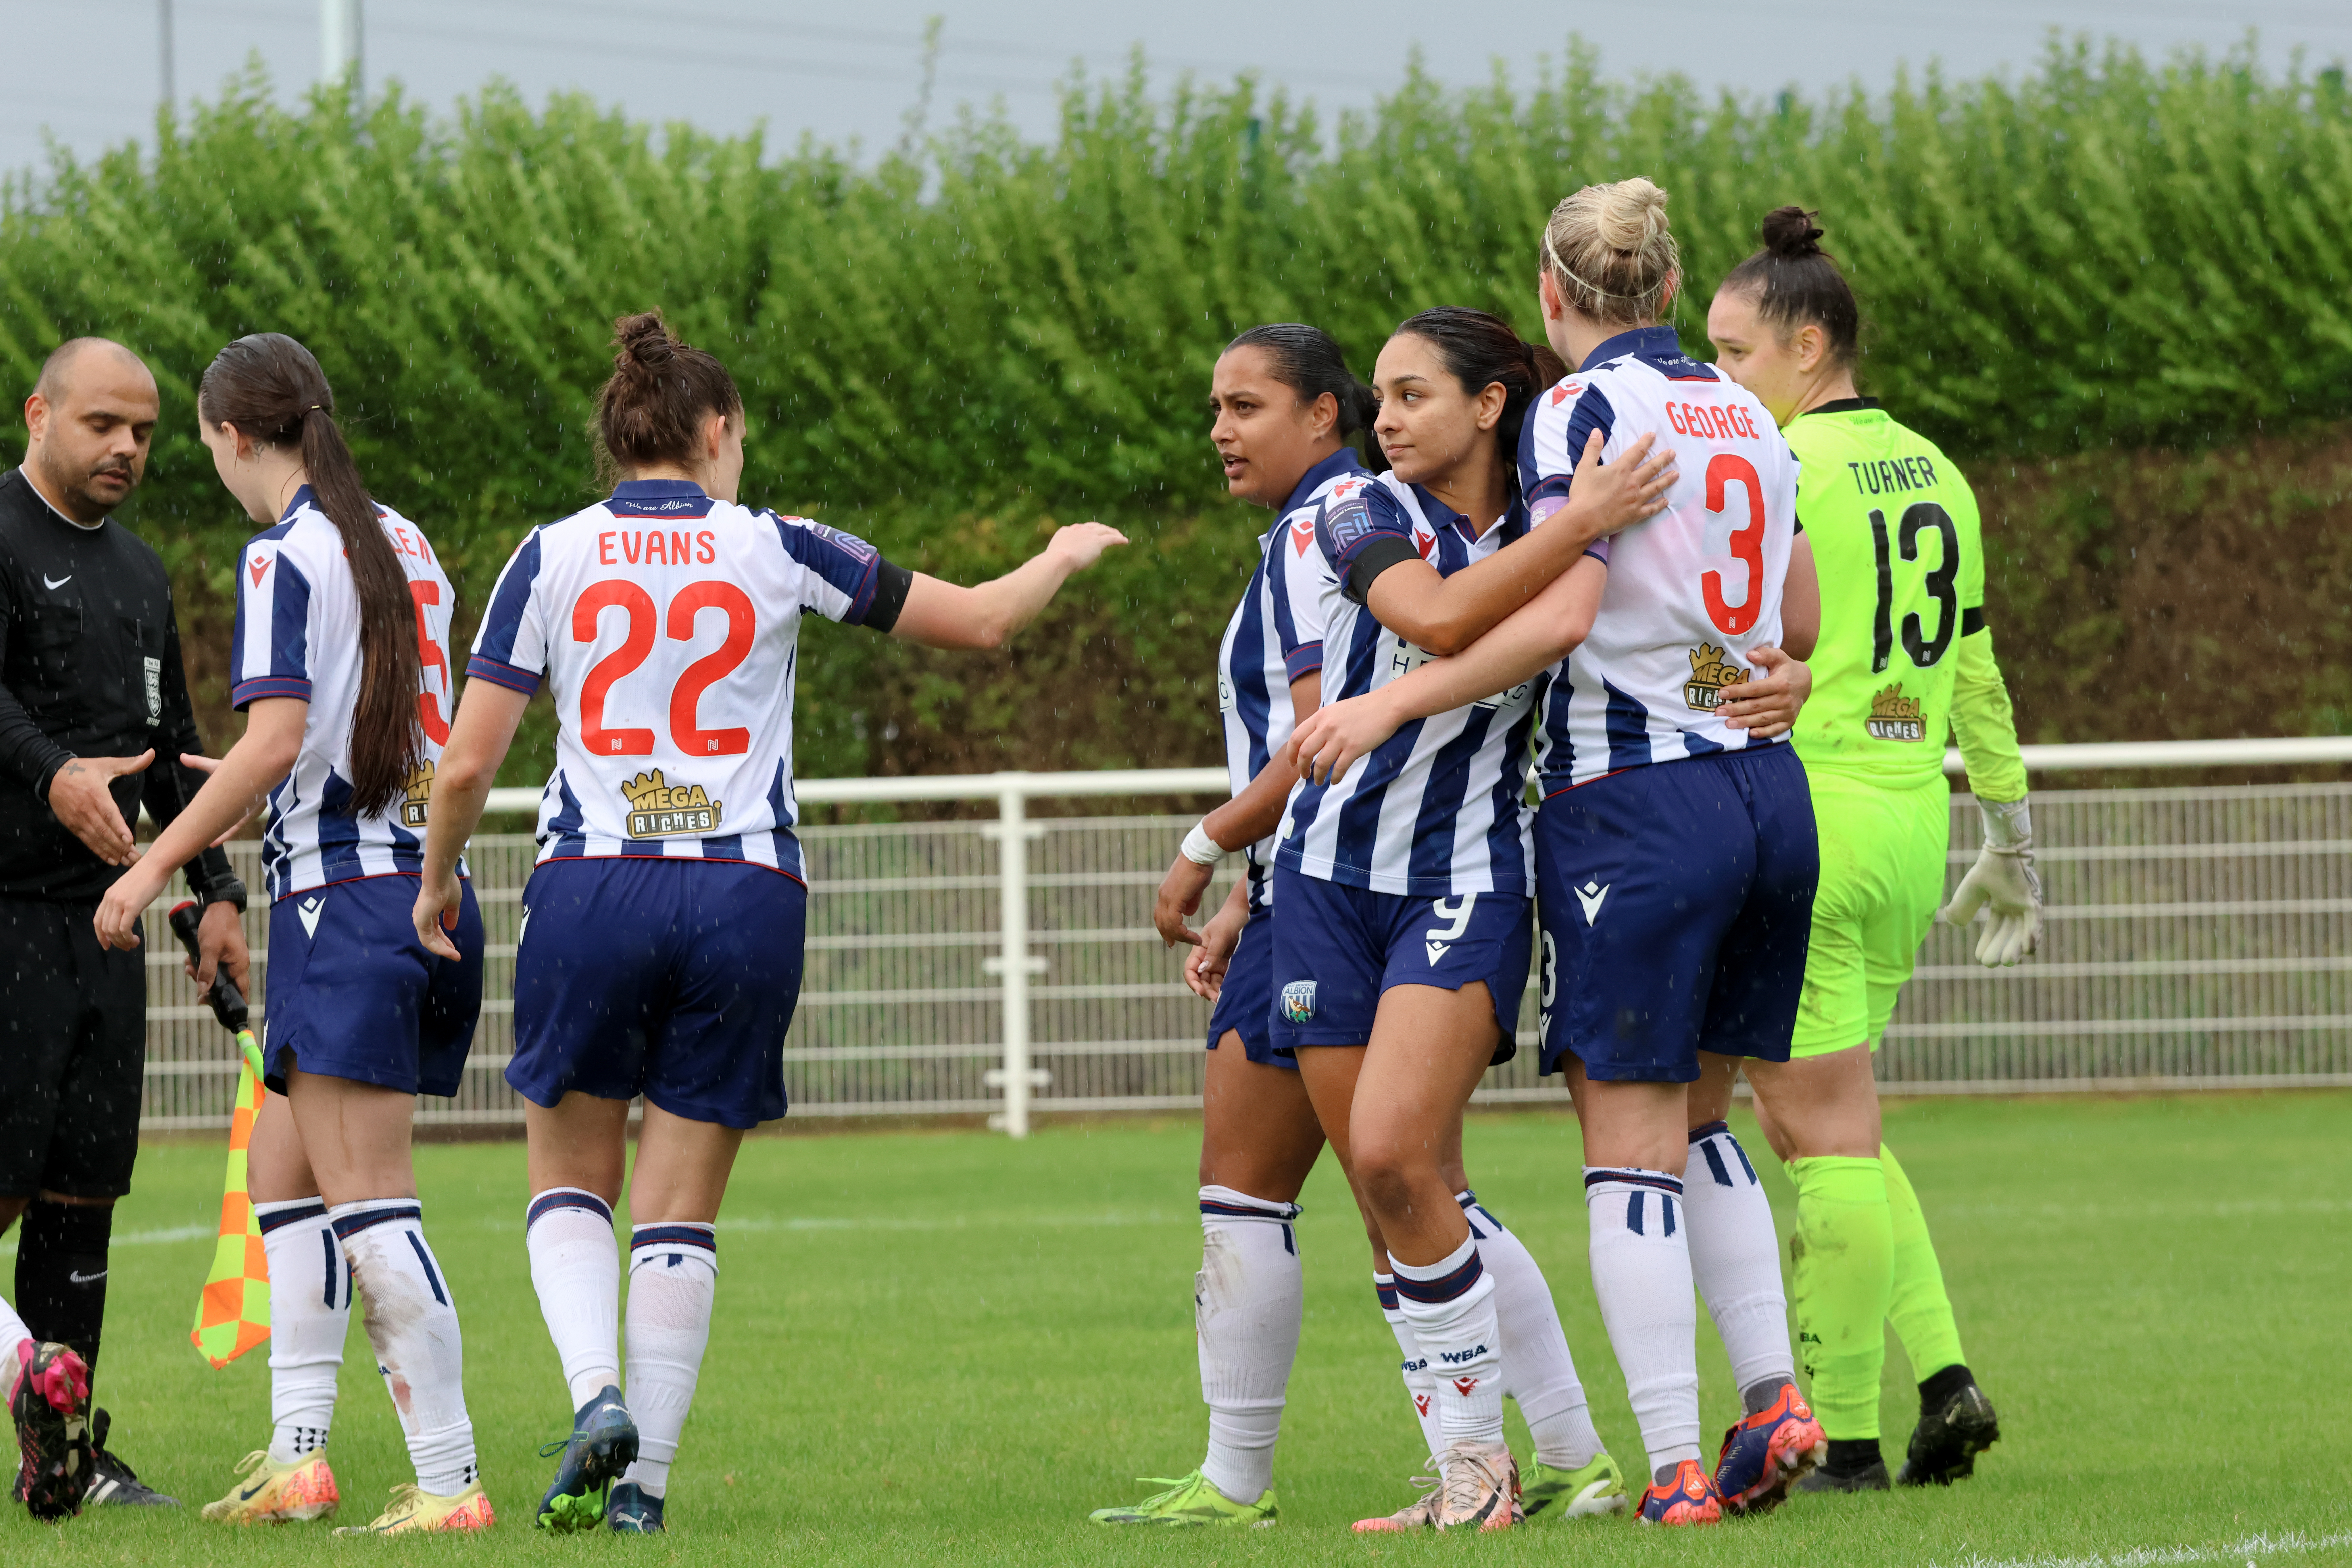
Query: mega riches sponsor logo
[659, 809]
[1298, 1000]
[1710, 673]
[1894, 716]
[417, 800]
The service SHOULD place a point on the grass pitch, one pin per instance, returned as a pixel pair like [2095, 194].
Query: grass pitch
[947, 1347]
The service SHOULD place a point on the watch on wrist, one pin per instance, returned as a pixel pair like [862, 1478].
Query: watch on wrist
[227, 890]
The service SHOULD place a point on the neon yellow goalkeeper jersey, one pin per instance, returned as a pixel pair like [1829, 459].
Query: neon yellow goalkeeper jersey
[1904, 657]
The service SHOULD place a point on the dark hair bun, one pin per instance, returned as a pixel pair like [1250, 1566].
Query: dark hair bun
[1791, 233]
[644, 337]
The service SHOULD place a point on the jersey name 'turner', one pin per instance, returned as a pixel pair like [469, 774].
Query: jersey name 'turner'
[666, 624]
[1690, 591]
[1438, 809]
[1897, 540]
[296, 635]
[1276, 637]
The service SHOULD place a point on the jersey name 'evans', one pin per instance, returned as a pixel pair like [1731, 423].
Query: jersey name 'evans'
[671, 653]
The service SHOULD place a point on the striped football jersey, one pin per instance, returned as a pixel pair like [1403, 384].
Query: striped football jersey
[1690, 591]
[1439, 808]
[296, 635]
[666, 624]
[1276, 637]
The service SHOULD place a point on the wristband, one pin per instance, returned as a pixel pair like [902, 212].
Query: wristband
[1200, 849]
[2008, 824]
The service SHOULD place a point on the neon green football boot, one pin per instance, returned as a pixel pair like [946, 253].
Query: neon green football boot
[1597, 1487]
[1191, 1501]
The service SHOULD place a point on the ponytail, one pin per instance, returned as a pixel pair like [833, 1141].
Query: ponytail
[272, 390]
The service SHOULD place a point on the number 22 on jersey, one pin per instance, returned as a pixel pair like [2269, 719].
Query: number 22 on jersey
[685, 732]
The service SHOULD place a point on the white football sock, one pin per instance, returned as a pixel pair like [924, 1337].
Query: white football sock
[1247, 1303]
[1541, 1376]
[1642, 1274]
[412, 1324]
[575, 1266]
[1420, 1382]
[310, 1317]
[673, 1274]
[1735, 1255]
[1449, 1305]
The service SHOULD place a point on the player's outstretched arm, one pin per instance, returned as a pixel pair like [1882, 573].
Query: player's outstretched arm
[944, 615]
[485, 727]
[239, 784]
[1446, 614]
[1538, 635]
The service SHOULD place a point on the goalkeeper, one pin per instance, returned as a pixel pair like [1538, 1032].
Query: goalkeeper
[1904, 654]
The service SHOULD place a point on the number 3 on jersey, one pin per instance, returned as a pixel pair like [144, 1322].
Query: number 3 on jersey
[685, 732]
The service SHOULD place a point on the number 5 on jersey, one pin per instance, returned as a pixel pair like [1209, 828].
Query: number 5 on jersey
[685, 732]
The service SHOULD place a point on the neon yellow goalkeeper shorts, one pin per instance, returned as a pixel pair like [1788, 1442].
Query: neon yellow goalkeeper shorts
[1883, 854]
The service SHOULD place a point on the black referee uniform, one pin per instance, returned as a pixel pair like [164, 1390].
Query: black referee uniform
[89, 665]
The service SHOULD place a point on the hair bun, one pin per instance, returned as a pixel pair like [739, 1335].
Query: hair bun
[644, 337]
[1792, 234]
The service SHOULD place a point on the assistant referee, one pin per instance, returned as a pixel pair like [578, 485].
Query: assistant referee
[91, 693]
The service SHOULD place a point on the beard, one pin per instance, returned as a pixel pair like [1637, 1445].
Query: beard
[89, 492]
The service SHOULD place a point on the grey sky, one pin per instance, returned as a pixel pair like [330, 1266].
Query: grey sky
[87, 71]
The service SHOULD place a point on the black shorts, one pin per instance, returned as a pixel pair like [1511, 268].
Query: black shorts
[73, 1053]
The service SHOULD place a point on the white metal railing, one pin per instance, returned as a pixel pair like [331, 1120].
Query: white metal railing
[2197, 937]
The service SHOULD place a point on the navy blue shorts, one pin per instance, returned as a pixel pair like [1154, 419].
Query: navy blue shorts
[1676, 902]
[672, 978]
[1245, 1002]
[1336, 949]
[352, 994]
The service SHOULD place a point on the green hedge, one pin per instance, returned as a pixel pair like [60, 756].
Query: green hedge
[948, 352]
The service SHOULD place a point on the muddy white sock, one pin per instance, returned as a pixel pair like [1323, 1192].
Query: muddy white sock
[575, 1266]
[1247, 1303]
[1642, 1275]
[310, 1317]
[1449, 1305]
[673, 1277]
[1541, 1376]
[412, 1323]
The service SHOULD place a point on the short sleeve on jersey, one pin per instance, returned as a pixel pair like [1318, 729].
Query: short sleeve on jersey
[1363, 535]
[270, 653]
[1551, 442]
[843, 572]
[510, 650]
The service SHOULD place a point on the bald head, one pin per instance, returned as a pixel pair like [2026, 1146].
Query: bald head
[78, 356]
[90, 420]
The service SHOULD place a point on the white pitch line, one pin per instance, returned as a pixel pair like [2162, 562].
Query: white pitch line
[2293, 1543]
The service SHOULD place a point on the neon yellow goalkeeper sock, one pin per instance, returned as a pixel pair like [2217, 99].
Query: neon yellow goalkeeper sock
[1844, 1249]
[1920, 1312]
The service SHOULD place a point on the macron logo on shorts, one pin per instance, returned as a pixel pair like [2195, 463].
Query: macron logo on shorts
[309, 910]
[1590, 895]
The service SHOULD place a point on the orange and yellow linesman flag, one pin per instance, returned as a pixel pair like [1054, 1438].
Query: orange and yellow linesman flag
[233, 1314]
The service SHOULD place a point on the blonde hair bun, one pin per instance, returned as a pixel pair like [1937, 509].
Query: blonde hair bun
[1610, 250]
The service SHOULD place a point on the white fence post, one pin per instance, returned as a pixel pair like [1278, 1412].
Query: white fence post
[1013, 965]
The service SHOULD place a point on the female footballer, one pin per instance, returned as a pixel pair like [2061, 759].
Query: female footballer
[1673, 848]
[340, 665]
[661, 944]
[1400, 944]
[1284, 404]
[1904, 657]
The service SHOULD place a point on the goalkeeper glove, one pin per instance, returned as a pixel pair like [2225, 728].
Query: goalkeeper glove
[2003, 880]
